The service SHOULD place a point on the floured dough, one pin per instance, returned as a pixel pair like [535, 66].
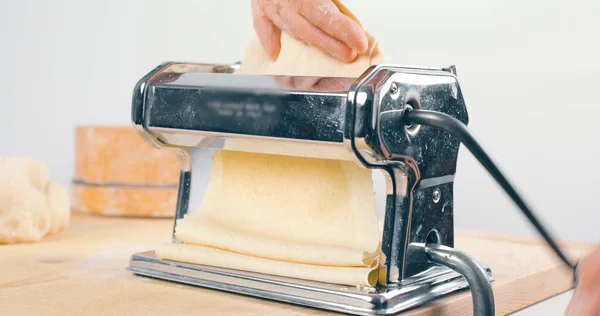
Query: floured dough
[321, 64]
[31, 206]
[286, 208]
[360, 275]
[298, 217]
[299, 59]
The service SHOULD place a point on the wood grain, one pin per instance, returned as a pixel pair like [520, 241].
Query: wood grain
[82, 272]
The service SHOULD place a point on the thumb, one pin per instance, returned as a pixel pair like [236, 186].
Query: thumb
[268, 34]
[586, 298]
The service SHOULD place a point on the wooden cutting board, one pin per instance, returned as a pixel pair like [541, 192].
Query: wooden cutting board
[82, 272]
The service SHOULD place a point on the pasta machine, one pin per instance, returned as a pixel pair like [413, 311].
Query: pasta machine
[186, 107]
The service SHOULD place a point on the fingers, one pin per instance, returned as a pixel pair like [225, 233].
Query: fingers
[318, 23]
[307, 83]
[293, 82]
[586, 298]
[297, 26]
[584, 302]
[334, 84]
[268, 34]
[327, 17]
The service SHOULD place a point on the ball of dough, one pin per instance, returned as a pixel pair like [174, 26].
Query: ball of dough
[31, 206]
[59, 206]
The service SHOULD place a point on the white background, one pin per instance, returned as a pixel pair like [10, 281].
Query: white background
[528, 69]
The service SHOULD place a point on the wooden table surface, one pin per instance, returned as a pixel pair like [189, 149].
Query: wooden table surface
[81, 271]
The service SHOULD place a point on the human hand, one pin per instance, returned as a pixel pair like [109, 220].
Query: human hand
[318, 23]
[315, 83]
[586, 299]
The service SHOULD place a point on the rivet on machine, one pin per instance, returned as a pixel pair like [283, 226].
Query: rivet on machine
[406, 121]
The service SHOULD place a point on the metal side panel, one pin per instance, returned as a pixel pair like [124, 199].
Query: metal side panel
[420, 289]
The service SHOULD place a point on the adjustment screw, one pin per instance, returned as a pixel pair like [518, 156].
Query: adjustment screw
[436, 195]
[394, 88]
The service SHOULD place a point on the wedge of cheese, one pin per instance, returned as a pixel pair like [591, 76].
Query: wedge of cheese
[117, 173]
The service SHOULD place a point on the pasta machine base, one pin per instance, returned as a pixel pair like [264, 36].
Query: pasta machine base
[425, 287]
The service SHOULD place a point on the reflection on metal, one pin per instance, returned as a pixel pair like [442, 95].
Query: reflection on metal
[182, 106]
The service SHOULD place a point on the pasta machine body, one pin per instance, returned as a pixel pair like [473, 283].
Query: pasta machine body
[186, 106]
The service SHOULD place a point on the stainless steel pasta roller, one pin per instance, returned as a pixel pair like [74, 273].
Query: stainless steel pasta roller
[391, 118]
